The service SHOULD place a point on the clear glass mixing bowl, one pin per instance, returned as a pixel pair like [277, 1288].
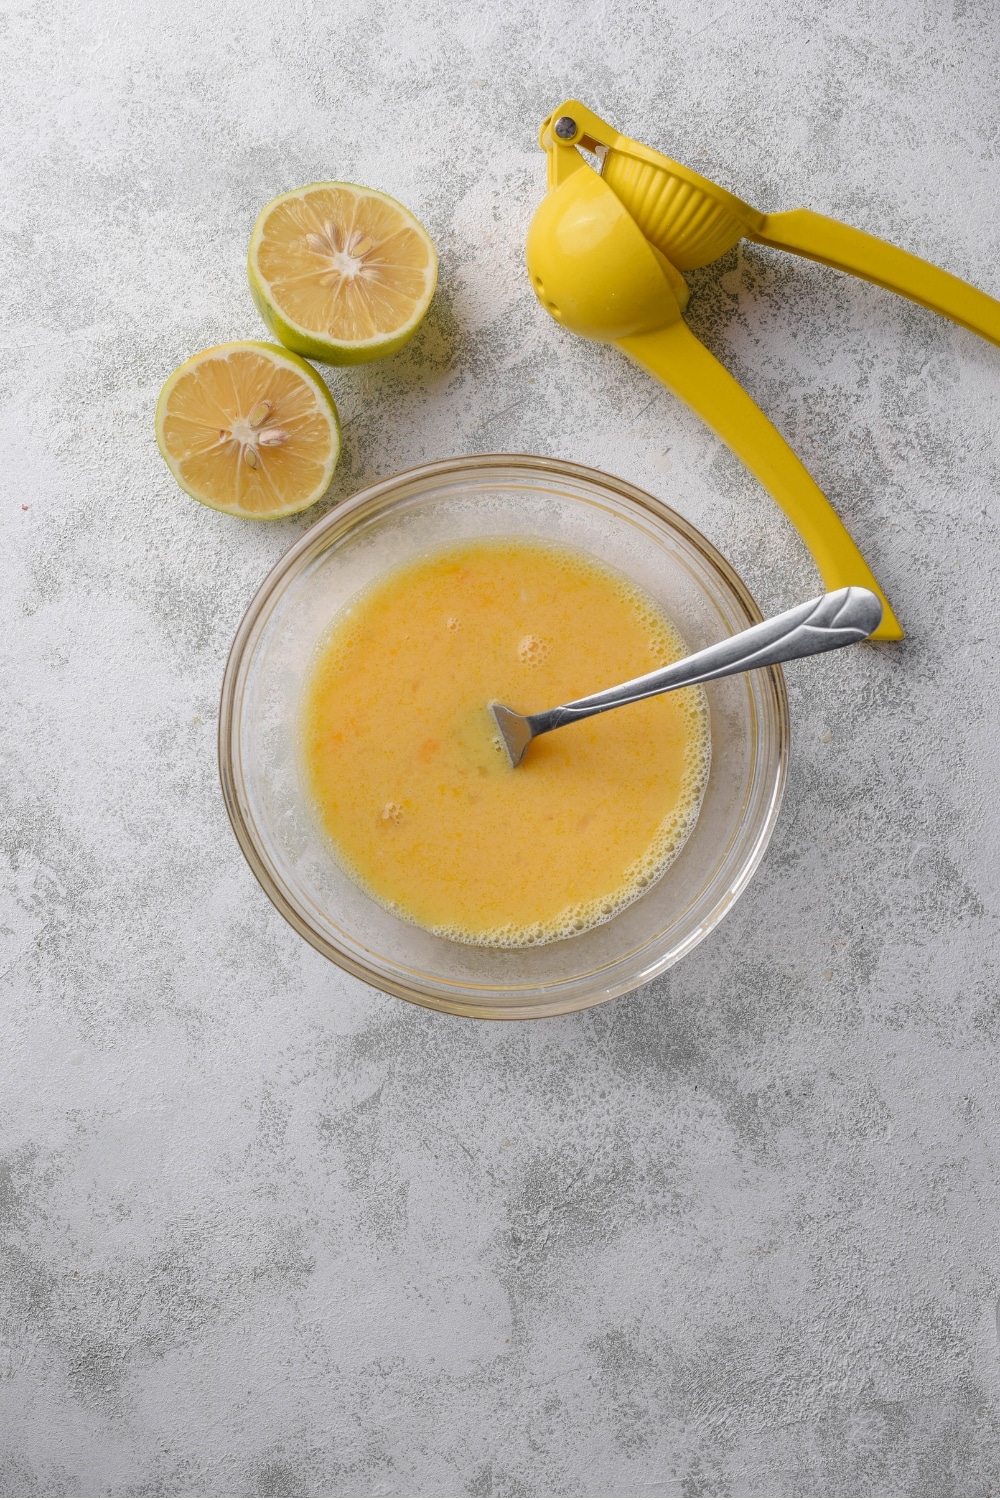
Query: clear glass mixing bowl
[425, 508]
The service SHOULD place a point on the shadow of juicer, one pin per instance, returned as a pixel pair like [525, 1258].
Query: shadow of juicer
[605, 254]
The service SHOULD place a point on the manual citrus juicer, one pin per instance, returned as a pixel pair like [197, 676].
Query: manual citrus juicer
[606, 250]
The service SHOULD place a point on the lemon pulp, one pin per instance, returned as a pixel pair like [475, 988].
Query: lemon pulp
[341, 273]
[249, 428]
[402, 761]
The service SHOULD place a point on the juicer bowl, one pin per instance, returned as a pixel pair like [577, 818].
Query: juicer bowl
[380, 528]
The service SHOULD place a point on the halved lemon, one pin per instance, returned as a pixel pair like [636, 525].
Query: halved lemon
[341, 273]
[250, 429]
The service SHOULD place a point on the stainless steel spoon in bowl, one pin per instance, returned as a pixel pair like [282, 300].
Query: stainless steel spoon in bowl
[822, 624]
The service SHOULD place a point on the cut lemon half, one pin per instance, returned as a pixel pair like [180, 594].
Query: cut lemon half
[341, 273]
[250, 429]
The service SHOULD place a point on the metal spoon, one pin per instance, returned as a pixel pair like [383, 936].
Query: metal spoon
[821, 624]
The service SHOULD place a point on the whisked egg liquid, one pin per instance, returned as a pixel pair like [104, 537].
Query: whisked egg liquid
[410, 781]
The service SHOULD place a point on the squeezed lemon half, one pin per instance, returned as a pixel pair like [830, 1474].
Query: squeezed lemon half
[250, 429]
[341, 273]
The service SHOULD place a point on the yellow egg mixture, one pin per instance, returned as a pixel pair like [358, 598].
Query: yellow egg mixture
[406, 770]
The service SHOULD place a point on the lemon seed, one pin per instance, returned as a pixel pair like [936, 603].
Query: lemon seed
[250, 457]
[272, 437]
[259, 413]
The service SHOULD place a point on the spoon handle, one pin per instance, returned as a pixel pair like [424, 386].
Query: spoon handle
[821, 624]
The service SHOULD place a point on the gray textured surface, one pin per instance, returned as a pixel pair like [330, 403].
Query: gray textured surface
[266, 1231]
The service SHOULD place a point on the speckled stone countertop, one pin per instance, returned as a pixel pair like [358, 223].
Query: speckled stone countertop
[268, 1232]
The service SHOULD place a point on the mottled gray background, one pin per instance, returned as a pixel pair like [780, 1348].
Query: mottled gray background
[267, 1231]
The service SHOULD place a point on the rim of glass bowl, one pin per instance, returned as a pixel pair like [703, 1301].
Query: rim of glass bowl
[554, 998]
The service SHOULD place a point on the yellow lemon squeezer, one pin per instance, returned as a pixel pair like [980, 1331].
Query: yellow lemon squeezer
[606, 250]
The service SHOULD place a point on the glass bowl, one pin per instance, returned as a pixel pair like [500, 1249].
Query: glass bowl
[462, 498]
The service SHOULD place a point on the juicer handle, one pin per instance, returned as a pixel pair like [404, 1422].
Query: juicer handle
[816, 237]
[680, 362]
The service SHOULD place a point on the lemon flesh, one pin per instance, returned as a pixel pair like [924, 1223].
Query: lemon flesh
[341, 273]
[250, 429]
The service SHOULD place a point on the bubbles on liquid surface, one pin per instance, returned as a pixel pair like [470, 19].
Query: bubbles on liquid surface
[532, 650]
[665, 645]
